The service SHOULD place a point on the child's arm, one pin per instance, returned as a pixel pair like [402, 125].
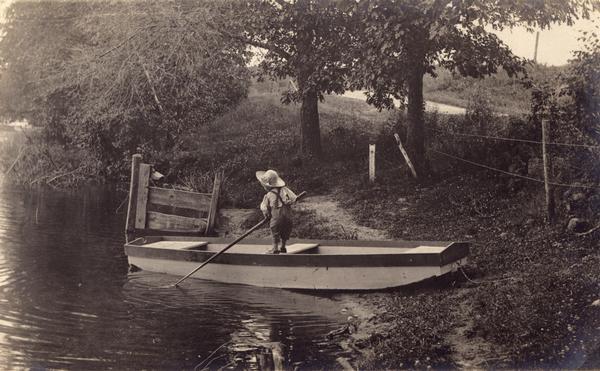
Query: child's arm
[290, 196]
[265, 208]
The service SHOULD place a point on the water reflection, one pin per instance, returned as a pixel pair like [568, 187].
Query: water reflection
[67, 301]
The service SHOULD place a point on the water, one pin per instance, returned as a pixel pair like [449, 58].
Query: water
[68, 301]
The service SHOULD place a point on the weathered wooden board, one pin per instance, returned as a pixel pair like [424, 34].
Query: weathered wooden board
[133, 187]
[142, 196]
[178, 198]
[299, 248]
[160, 221]
[214, 203]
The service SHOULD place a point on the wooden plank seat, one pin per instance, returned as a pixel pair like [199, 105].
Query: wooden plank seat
[178, 245]
[299, 248]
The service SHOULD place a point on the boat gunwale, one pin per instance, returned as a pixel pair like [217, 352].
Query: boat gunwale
[452, 252]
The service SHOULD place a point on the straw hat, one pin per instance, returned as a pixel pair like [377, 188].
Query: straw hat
[269, 178]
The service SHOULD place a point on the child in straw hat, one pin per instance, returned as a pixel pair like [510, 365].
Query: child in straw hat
[276, 205]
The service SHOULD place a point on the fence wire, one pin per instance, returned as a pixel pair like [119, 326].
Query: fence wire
[587, 186]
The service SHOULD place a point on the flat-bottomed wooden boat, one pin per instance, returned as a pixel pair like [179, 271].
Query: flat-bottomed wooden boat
[308, 264]
[170, 225]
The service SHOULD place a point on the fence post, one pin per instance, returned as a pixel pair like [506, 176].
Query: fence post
[405, 154]
[371, 163]
[133, 192]
[550, 207]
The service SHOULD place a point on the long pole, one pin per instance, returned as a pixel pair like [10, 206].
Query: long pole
[547, 166]
[230, 245]
[222, 251]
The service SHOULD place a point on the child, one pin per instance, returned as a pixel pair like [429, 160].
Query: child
[276, 205]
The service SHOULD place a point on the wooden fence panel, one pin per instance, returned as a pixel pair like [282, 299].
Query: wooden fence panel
[180, 199]
[142, 196]
[160, 221]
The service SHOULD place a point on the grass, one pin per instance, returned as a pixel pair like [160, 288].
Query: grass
[507, 94]
[28, 160]
[261, 133]
[535, 283]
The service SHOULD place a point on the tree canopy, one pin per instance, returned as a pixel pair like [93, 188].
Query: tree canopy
[307, 40]
[112, 77]
[401, 40]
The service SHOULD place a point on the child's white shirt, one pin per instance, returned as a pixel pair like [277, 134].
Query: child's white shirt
[271, 200]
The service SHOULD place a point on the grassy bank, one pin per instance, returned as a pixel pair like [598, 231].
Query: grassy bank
[530, 289]
[28, 160]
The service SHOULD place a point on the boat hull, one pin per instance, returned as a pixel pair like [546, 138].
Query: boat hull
[306, 278]
[330, 265]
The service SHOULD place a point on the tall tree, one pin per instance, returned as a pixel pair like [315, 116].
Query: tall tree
[113, 76]
[303, 39]
[402, 40]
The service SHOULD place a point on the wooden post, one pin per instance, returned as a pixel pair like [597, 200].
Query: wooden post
[372, 163]
[142, 196]
[133, 188]
[214, 203]
[278, 358]
[550, 209]
[405, 155]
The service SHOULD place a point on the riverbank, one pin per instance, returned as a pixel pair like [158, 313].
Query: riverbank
[529, 296]
[529, 288]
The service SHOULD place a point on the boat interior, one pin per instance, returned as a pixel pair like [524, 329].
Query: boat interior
[259, 247]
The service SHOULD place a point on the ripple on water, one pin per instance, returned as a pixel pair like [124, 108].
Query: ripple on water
[67, 301]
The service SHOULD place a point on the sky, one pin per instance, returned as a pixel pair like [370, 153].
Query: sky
[554, 49]
[555, 45]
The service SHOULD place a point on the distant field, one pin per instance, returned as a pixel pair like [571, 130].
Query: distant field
[506, 95]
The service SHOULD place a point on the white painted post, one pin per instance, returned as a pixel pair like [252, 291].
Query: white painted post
[372, 163]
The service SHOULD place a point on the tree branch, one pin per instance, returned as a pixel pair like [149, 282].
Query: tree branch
[126, 40]
[273, 48]
[152, 88]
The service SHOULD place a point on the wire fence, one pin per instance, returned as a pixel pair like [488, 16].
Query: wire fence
[516, 175]
[589, 186]
[518, 140]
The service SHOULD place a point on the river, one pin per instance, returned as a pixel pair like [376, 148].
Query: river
[67, 299]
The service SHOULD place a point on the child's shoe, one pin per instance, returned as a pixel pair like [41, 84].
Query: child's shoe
[272, 251]
[283, 250]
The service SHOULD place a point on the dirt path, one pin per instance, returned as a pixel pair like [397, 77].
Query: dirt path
[338, 218]
[469, 351]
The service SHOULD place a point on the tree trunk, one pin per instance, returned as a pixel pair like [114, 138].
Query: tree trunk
[415, 134]
[309, 124]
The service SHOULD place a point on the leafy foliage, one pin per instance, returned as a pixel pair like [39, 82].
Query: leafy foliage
[113, 77]
[570, 103]
[400, 41]
[306, 40]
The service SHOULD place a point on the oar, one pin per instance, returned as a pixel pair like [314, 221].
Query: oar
[222, 251]
[230, 245]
